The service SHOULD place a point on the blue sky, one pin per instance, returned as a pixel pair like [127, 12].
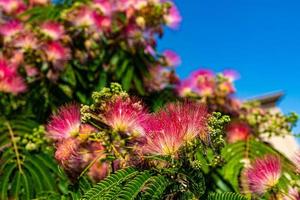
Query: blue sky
[258, 38]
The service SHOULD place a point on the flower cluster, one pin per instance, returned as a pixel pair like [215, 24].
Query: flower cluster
[120, 128]
[43, 49]
[263, 174]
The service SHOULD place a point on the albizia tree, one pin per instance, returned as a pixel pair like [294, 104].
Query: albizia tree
[149, 136]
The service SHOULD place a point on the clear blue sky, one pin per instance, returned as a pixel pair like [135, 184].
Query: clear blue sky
[258, 38]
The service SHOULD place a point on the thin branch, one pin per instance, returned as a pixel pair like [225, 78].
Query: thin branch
[13, 140]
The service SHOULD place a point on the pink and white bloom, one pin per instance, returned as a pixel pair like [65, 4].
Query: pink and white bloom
[204, 82]
[65, 123]
[171, 128]
[293, 194]
[105, 6]
[26, 41]
[57, 54]
[172, 59]
[192, 116]
[39, 2]
[173, 17]
[10, 80]
[67, 153]
[184, 88]
[10, 29]
[231, 75]
[297, 160]
[53, 30]
[263, 174]
[125, 115]
[12, 7]
[237, 131]
[163, 136]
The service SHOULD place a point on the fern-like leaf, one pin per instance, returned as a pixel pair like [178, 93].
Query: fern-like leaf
[109, 183]
[226, 196]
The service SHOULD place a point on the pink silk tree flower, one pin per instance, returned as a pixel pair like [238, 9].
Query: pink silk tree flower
[31, 71]
[226, 87]
[172, 59]
[57, 54]
[231, 75]
[26, 41]
[173, 17]
[10, 80]
[163, 135]
[237, 131]
[67, 153]
[65, 123]
[204, 81]
[10, 29]
[39, 2]
[98, 171]
[105, 6]
[184, 88]
[126, 115]
[293, 194]
[263, 174]
[53, 30]
[12, 7]
[192, 116]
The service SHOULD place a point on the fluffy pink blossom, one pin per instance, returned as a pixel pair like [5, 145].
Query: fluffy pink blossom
[237, 131]
[88, 17]
[105, 6]
[125, 115]
[171, 128]
[98, 171]
[57, 53]
[293, 194]
[38, 2]
[12, 6]
[65, 123]
[31, 71]
[163, 136]
[192, 116]
[173, 18]
[226, 87]
[172, 58]
[67, 153]
[184, 87]
[10, 80]
[204, 81]
[26, 41]
[54, 30]
[232, 75]
[263, 174]
[10, 29]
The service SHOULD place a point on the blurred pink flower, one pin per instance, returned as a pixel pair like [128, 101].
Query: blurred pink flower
[54, 30]
[67, 153]
[57, 54]
[126, 115]
[31, 71]
[65, 123]
[173, 17]
[26, 41]
[237, 131]
[12, 7]
[263, 174]
[293, 194]
[10, 80]
[172, 58]
[105, 6]
[39, 2]
[232, 75]
[10, 29]
[297, 160]
[204, 81]
[184, 87]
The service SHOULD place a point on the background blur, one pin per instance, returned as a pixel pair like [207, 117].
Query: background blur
[258, 38]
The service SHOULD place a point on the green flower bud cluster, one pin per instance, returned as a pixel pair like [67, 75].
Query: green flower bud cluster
[35, 140]
[216, 124]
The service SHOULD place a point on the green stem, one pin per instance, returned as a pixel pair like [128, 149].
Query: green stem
[13, 140]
